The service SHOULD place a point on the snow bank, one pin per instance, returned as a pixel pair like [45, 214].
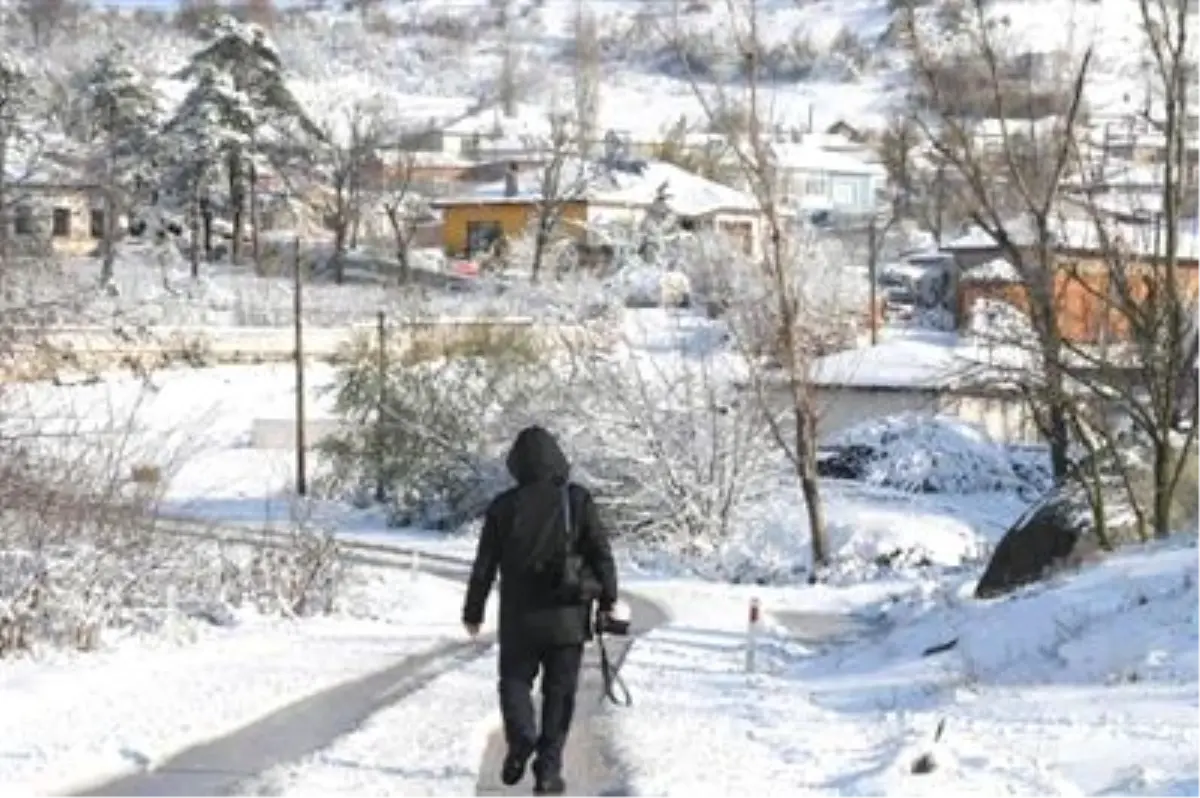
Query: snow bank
[873, 533]
[1084, 686]
[936, 454]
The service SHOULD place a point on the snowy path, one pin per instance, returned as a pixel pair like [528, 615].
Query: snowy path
[236, 762]
[217, 767]
[590, 765]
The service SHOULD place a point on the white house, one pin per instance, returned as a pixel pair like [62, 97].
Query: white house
[626, 194]
[812, 178]
[934, 375]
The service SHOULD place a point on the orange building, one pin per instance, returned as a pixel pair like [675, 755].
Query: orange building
[1082, 287]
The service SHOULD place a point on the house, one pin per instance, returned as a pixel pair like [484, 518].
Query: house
[934, 375]
[1133, 138]
[595, 194]
[812, 178]
[1082, 282]
[59, 217]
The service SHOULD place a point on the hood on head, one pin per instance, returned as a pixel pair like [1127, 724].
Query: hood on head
[536, 457]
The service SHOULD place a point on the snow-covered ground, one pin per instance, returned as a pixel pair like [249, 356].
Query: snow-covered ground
[1087, 686]
[431, 744]
[71, 720]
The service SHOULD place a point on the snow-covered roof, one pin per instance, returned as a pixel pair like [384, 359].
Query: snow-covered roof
[687, 194]
[1081, 234]
[927, 362]
[811, 158]
[901, 364]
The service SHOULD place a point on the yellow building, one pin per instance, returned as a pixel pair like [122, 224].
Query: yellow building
[600, 194]
[471, 225]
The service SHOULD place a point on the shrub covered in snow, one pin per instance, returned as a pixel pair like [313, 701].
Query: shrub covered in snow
[83, 549]
[430, 426]
[936, 454]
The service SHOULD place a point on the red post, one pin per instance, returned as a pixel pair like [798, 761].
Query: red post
[752, 636]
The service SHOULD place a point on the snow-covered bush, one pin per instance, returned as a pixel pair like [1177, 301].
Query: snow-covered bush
[84, 550]
[672, 450]
[936, 454]
[430, 425]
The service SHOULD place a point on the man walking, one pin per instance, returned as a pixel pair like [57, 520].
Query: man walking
[553, 557]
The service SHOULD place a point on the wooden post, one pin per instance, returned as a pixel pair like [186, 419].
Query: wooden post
[380, 437]
[298, 326]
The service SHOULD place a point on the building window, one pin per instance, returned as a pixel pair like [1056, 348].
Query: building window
[97, 223]
[62, 223]
[843, 194]
[481, 236]
[814, 186]
[23, 221]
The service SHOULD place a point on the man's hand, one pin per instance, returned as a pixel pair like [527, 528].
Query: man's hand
[472, 629]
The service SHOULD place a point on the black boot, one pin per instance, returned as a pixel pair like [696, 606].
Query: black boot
[549, 784]
[513, 769]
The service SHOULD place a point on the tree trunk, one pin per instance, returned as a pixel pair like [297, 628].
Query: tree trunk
[110, 236]
[206, 215]
[237, 201]
[194, 223]
[402, 259]
[539, 252]
[1164, 489]
[5, 216]
[255, 249]
[339, 251]
[806, 454]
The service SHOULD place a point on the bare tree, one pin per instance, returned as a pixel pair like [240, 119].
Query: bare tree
[586, 76]
[1148, 309]
[46, 17]
[507, 80]
[346, 156]
[796, 325]
[1010, 187]
[562, 179]
[405, 206]
[16, 91]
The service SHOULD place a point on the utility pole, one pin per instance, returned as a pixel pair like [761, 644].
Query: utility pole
[298, 327]
[872, 269]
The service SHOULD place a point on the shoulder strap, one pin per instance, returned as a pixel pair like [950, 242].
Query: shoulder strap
[568, 516]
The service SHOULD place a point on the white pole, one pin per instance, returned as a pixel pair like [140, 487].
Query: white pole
[752, 635]
[416, 564]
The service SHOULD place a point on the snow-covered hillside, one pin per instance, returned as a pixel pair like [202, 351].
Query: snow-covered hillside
[831, 59]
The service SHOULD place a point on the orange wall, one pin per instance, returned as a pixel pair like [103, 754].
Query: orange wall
[1079, 296]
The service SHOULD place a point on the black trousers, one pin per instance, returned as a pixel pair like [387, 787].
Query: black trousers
[559, 666]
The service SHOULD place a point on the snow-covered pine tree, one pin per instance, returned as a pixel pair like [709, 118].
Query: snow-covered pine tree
[16, 92]
[656, 226]
[211, 128]
[120, 113]
[246, 56]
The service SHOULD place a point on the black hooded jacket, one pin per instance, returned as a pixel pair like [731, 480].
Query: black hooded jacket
[517, 524]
